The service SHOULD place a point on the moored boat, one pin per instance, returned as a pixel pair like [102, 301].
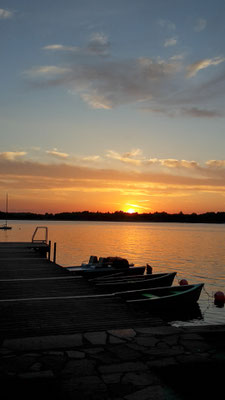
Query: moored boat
[163, 297]
[135, 283]
[5, 226]
[106, 266]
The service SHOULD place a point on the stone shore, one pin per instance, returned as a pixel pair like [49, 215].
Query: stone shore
[159, 363]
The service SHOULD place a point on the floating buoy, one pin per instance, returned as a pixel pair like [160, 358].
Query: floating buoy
[219, 299]
[183, 282]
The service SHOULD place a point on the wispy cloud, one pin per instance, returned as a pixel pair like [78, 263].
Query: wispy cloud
[135, 157]
[6, 14]
[200, 25]
[170, 42]
[127, 158]
[173, 163]
[12, 155]
[57, 154]
[38, 176]
[216, 163]
[47, 71]
[91, 158]
[107, 84]
[60, 47]
[200, 113]
[167, 24]
[99, 44]
[202, 64]
[153, 84]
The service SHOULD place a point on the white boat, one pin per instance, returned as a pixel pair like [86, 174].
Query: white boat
[5, 226]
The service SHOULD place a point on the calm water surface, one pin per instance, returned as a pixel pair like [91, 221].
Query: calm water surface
[195, 251]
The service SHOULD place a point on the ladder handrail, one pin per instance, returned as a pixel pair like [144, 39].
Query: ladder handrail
[40, 240]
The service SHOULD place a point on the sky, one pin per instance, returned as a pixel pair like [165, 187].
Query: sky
[112, 105]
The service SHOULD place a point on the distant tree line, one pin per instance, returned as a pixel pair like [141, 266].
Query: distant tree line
[120, 216]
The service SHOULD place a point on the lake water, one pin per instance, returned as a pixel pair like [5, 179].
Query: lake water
[195, 251]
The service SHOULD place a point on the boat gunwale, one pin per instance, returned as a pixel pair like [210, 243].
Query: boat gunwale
[191, 288]
[133, 281]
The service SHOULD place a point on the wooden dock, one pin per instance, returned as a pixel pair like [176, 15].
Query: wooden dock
[39, 297]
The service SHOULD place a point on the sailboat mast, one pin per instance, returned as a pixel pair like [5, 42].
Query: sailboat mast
[6, 209]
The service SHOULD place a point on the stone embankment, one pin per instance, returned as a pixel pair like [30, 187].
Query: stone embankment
[131, 364]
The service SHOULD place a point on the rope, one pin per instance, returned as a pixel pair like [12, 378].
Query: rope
[209, 295]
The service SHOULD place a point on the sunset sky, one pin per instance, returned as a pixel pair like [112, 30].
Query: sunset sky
[112, 105]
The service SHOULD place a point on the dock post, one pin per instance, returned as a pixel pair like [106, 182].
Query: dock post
[54, 254]
[49, 249]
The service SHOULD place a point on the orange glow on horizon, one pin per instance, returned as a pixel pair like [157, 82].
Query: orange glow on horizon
[130, 211]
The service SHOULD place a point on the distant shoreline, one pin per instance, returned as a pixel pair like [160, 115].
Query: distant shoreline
[120, 216]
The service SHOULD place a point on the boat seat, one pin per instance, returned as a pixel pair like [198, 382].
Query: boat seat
[150, 296]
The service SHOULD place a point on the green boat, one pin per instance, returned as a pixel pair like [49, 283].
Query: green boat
[163, 297]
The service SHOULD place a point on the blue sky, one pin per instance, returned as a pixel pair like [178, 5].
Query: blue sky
[133, 87]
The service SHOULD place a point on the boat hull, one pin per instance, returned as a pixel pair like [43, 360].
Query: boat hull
[90, 273]
[164, 297]
[141, 282]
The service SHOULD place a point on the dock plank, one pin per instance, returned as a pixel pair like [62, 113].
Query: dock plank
[54, 317]
[39, 297]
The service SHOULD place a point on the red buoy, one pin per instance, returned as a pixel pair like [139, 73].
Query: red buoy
[219, 298]
[183, 282]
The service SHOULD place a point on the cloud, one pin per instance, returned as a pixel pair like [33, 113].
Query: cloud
[132, 153]
[60, 47]
[108, 83]
[170, 42]
[62, 186]
[99, 44]
[200, 24]
[12, 155]
[215, 163]
[127, 158]
[5, 14]
[47, 71]
[202, 64]
[173, 163]
[96, 101]
[57, 154]
[200, 113]
[131, 158]
[167, 24]
[37, 178]
[153, 84]
[91, 158]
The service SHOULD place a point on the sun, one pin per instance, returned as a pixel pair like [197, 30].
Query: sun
[131, 210]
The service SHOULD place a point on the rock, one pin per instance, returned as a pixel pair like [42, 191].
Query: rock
[115, 340]
[147, 341]
[75, 354]
[36, 375]
[125, 353]
[84, 388]
[44, 342]
[139, 378]
[160, 363]
[159, 330]
[96, 337]
[79, 368]
[122, 367]
[112, 378]
[123, 333]
[151, 392]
